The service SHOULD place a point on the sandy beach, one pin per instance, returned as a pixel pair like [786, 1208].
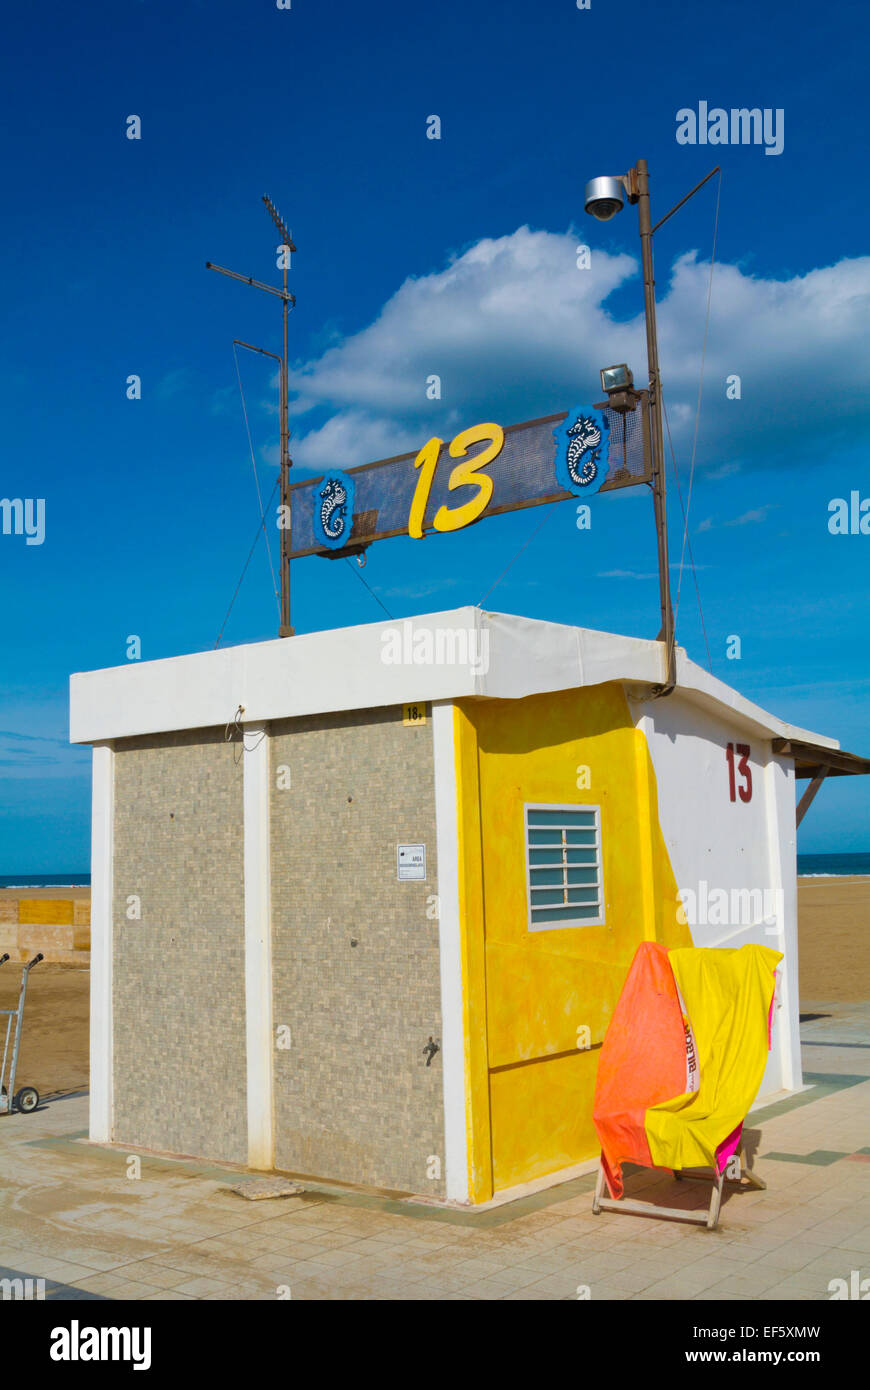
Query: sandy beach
[834, 938]
[834, 947]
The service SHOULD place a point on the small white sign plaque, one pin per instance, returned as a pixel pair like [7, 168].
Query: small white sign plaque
[411, 863]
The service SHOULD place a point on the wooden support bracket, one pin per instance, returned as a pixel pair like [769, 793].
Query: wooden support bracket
[806, 800]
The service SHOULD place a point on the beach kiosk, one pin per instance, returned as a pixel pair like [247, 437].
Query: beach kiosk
[364, 900]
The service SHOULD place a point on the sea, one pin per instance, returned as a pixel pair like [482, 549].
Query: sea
[836, 865]
[809, 865]
[71, 880]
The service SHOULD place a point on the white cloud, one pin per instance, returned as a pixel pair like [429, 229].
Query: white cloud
[514, 330]
[715, 475]
[625, 574]
[353, 437]
[750, 518]
[173, 383]
[754, 517]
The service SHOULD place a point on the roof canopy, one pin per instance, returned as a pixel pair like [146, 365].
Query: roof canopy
[814, 759]
[817, 762]
[457, 654]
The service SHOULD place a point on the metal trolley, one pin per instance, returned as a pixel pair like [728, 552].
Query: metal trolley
[27, 1098]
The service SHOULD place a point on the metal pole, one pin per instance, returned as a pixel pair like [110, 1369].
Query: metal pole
[19, 1019]
[287, 247]
[691, 193]
[285, 630]
[666, 632]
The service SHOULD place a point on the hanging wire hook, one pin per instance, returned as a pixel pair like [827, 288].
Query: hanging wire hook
[235, 724]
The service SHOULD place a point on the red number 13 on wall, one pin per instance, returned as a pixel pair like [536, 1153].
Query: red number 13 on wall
[742, 750]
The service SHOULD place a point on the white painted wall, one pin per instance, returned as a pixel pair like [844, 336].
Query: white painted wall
[102, 877]
[731, 845]
[782, 832]
[452, 1031]
[258, 947]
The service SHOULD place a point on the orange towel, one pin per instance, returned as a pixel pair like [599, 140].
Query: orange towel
[638, 1069]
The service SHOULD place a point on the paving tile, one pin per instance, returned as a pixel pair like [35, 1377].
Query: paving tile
[715, 1295]
[555, 1285]
[529, 1295]
[793, 1255]
[99, 1283]
[41, 1267]
[509, 1279]
[201, 1287]
[128, 1289]
[787, 1294]
[629, 1281]
[337, 1258]
[150, 1272]
[859, 1241]
[473, 1268]
[486, 1289]
[720, 1266]
[751, 1282]
[811, 1225]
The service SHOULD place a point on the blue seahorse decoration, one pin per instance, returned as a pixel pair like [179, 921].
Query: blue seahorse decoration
[333, 510]
[582, 450]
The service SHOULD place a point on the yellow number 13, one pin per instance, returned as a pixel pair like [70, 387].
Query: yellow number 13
[465, 474]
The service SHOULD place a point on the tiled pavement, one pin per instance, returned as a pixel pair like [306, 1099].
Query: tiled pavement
[71, 1216]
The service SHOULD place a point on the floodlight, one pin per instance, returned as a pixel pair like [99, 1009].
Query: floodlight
[618, 378]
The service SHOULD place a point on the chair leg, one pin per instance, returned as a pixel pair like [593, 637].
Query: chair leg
[599, 1190]
[715, 1202]
[747, 1176]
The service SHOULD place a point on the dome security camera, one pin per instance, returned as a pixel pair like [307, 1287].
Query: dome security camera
[604, 198]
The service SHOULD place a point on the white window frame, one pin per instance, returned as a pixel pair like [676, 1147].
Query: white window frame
[599, 919]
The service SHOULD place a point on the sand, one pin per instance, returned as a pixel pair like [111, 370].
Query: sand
[834, 965]
[54, 1038]
[834, 939]
[73, 891]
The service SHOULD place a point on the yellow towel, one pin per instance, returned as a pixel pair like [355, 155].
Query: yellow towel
[727, 997]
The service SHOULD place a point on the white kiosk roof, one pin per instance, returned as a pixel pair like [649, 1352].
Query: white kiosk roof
[437, 656]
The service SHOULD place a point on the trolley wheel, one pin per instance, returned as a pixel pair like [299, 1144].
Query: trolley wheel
[27, 1099]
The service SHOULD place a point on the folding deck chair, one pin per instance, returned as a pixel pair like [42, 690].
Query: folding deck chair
[680, 1065]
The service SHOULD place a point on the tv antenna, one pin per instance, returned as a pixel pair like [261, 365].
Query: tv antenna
[285, 248]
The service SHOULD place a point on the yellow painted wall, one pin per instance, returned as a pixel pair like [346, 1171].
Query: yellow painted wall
[473, 959]
[58, 927]
[56, 912]
[528, 993]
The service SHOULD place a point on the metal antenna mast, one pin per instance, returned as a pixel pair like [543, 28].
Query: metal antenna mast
[287, 299]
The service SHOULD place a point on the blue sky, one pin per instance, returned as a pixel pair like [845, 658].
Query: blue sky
[418, 256]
